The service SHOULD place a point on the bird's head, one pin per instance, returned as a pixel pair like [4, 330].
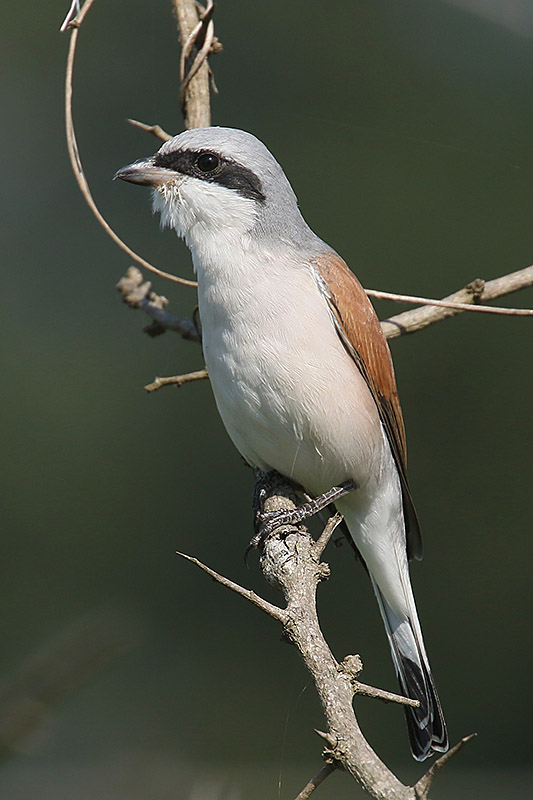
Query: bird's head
[220, 182]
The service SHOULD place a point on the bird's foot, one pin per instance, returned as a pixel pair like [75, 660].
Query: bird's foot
[267, 522]
[265, 483]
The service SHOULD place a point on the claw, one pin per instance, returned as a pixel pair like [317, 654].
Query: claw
[266, 523]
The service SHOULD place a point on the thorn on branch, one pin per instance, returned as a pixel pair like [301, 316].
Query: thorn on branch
[324, 538]
[383, 695]
[328, 738]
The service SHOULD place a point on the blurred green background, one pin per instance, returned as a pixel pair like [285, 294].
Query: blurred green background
[406, 130]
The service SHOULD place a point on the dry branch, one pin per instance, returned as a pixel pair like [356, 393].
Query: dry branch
[177, 380]
[316, 780]
[155, 130]
[423, 786]
[474, 292]
[137, 293]
[290, 562]
[198, 41]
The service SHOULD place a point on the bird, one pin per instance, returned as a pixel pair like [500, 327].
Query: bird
[300, 370]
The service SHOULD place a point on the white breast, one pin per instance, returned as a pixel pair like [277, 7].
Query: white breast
[289, 395]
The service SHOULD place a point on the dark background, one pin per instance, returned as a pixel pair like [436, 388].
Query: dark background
[406, 130]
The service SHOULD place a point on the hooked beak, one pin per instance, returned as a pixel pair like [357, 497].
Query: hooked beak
[145, 173]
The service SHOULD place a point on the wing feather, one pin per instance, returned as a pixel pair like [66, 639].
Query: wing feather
[360, 331]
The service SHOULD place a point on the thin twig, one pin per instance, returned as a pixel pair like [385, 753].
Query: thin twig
[382, 694]
[269, 608]
[155, 130]
[327, 533]
[422, 786]
[315, 782]
[408, 298]
[177, 380]
[73, 25]
[73, 12]
[419, 318]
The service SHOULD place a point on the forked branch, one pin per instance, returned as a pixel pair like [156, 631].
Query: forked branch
[290, 561]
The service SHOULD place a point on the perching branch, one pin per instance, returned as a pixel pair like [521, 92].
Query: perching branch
[290, 562]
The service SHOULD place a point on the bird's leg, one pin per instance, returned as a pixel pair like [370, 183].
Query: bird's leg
[265, 483]
[265, 523]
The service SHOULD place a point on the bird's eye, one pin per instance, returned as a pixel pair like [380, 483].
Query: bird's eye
[207, 162]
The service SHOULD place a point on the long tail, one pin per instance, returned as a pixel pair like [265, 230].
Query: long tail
[426, 726]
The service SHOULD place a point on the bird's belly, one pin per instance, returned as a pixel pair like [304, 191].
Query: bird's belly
[291, 398]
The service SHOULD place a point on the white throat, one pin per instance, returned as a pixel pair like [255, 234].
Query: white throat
[214, 221]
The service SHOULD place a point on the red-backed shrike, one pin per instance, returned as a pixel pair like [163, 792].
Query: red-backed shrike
[300, 370]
